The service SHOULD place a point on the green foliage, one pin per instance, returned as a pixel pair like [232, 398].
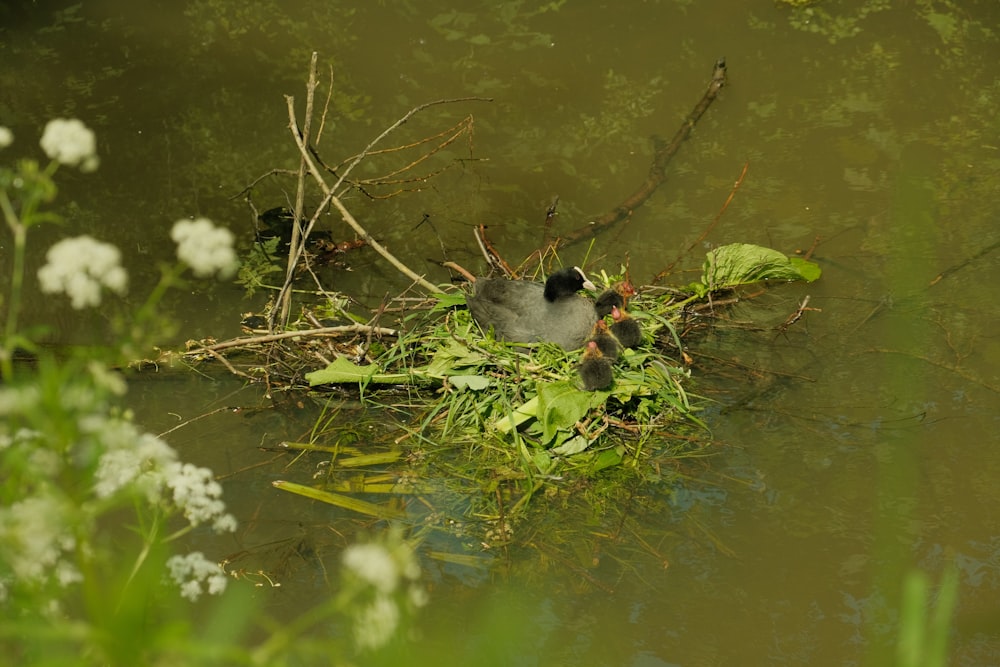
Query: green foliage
[738, 264]
[527, 399]
[343, 370]
[261, 261]
[523, 391]
[925, 622]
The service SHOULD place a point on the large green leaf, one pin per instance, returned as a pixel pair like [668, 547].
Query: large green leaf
[744, 264]
[343, 371]
[448, 300]
[608, 458]
[809, 271]
[557, 407]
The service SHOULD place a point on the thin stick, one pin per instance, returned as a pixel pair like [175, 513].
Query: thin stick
[459, 269]
[380, 249]
[297, 244]
[331, 198]
[244, 341]
[701, 237]
[409, 114]
[657, 171]
[229, 366]
[796, 316]
[493, 257]
[326, 108]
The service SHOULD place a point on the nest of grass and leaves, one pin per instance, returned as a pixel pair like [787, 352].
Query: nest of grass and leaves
[485, 426]
[488, 436]
[528, 395]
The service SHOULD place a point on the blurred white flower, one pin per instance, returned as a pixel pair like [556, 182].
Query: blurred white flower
[374, 564]
[418, 596]
[35, 533]
[71, 143]
[79, 267]
[192, 570]
[381, 567]
[20, 437]
[66, 574]
[375, 623]
[6, 137]
[207, 249]
[19, 400]
[108, 379]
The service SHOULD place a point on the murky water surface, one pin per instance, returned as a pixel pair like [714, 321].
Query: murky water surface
[860, 443]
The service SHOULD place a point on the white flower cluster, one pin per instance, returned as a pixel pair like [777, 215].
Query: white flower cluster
[35, 536]
[142, 464]
[191, 571]
[383, 568]
[20, 437]
[6, 137]
[79, 267]
[207, 249]
[37, 533]
[199, 496]
[149, 465]
[18, 400]
[376, 622]
[376, 565]
[71, 143]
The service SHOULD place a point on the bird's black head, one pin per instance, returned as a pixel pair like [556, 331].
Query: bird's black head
[565, 282]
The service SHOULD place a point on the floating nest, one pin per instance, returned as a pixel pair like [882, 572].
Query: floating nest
[509, 419]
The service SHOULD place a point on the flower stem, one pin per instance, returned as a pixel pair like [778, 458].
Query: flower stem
[19, 230]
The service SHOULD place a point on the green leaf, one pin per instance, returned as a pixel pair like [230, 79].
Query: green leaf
[448, 300]
[347, 502]
[744, 264]
[542, 460]
[607, 459]
[521, 414]
[809, 271]
[455, 355]
[473, 382]
[561, 405]
[574, 445]
[342, 371]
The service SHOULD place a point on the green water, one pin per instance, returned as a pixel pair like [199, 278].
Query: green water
[858, 444]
